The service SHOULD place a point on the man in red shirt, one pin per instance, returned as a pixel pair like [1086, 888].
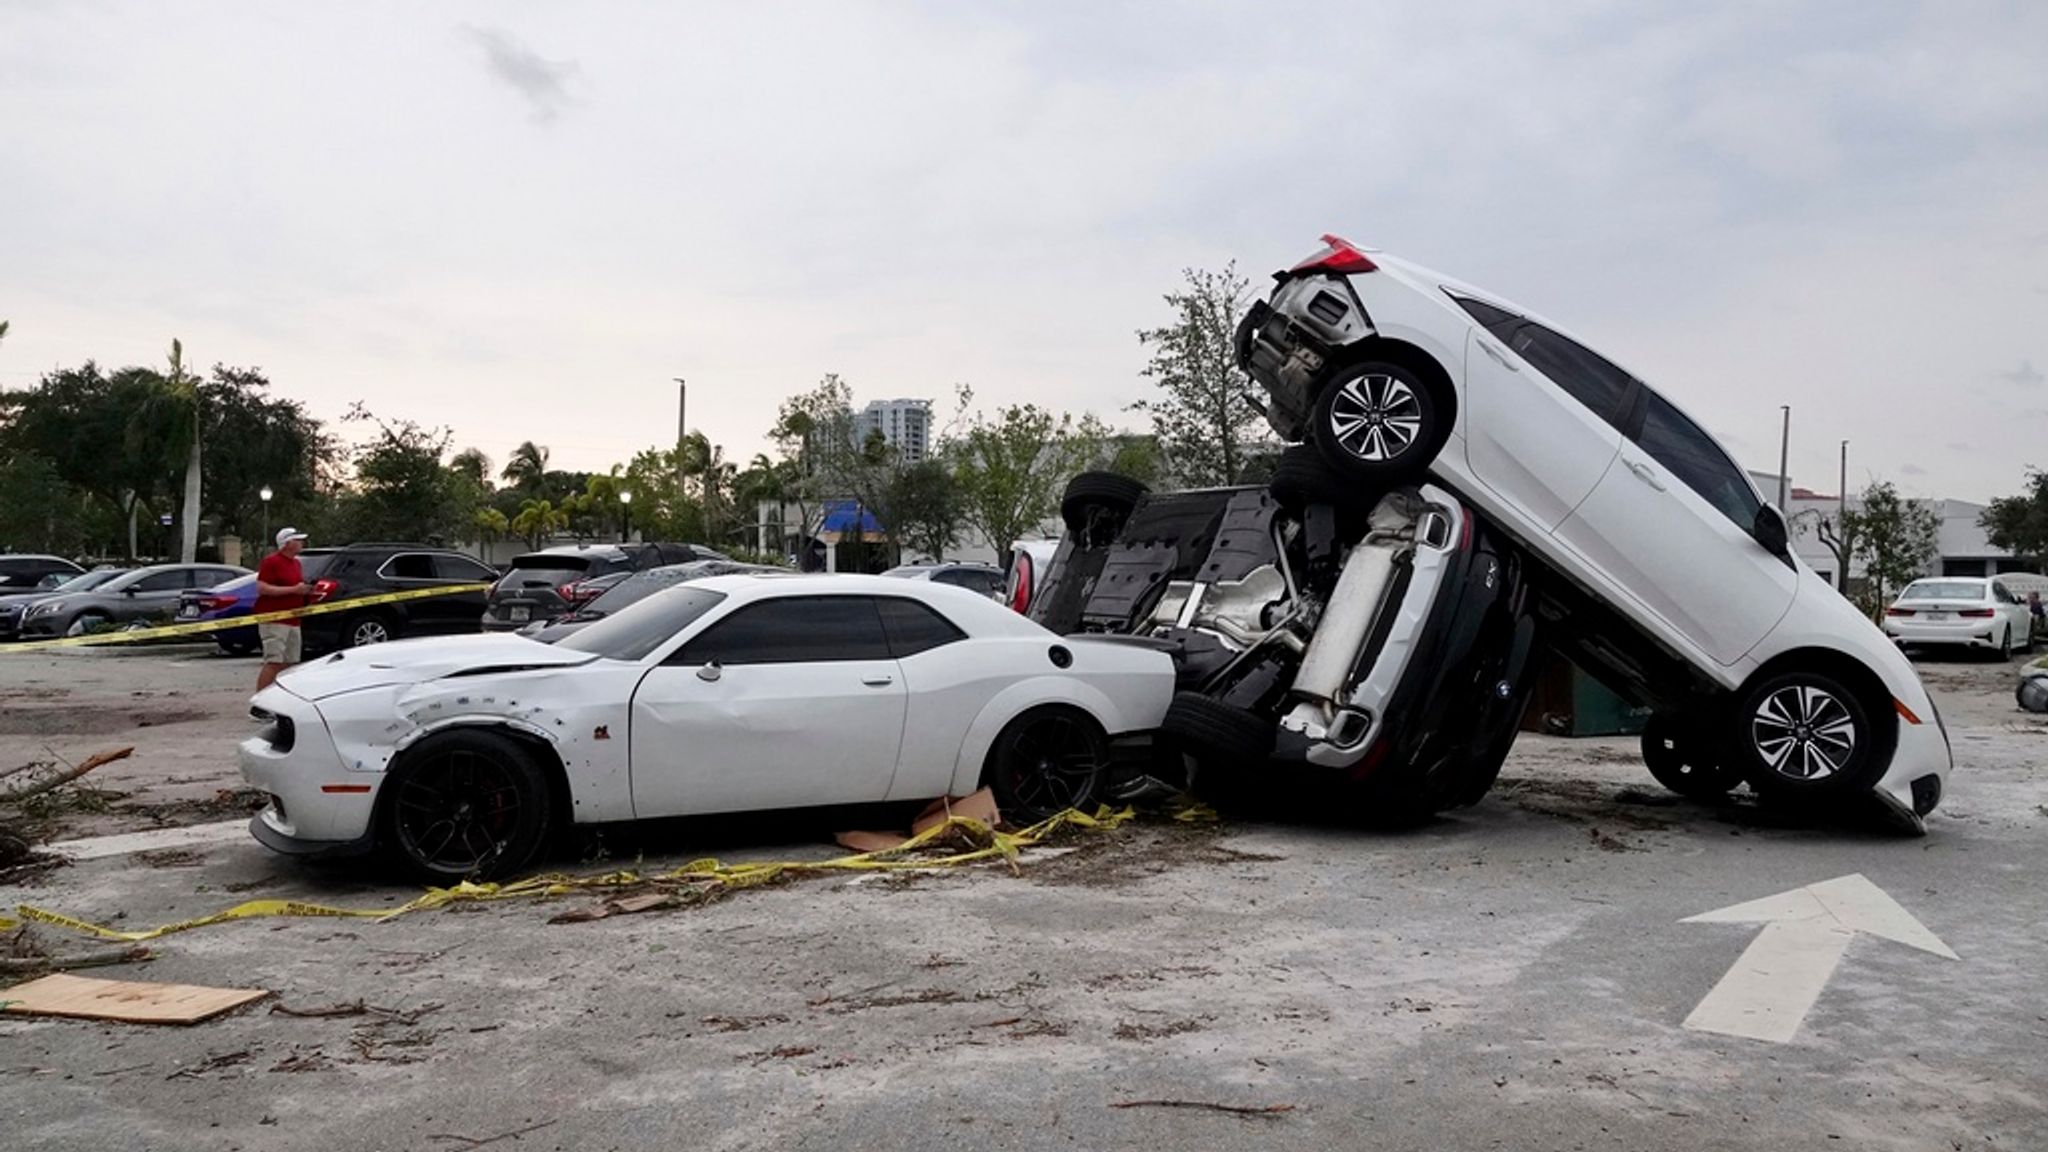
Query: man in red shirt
[280, 587]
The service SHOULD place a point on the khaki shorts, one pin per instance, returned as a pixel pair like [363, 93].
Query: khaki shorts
[281, 644]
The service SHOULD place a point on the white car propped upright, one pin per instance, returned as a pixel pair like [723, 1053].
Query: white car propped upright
[457, 755]
[1676, 581]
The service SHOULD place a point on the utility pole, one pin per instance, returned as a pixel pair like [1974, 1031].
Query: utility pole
[682, 434]
[1842, 519]
[1784, 456]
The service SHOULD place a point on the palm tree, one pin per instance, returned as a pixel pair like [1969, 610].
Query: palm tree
[169, 418]
[472, 463]
[527, 465]
[536, 519]
[492, 524]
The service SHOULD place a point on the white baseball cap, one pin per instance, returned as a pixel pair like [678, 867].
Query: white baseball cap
[287, 535]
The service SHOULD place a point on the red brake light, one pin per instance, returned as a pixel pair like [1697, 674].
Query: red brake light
[1898, 611]
[1338, 255]
[1978, 613]
[322, 589]
[1020, 583]
[219, 603]
[576, 593]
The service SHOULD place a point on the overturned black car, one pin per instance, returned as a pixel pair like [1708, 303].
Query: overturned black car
[1385, 640]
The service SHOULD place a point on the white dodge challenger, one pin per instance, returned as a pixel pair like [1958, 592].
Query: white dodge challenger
[456, 755]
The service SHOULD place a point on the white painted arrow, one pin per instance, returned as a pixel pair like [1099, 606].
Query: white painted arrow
[1781, 974]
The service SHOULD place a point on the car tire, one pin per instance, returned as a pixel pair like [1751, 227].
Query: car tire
[1302, 477]
[1779, 741]
[1096, 504]
[1228, 744]
[1362, 409]
[368, 628]
[86, 623]
[236, 647]
[464, 804]
[1044, 762]
[1684, 759]
[2005, 646]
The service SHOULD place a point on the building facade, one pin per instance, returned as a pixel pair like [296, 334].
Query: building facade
[905, 425]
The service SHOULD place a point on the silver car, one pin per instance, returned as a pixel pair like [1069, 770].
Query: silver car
[136, 595]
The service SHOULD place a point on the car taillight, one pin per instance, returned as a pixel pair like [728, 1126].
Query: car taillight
[219, 603]
[1020, 583]
[1978, 613]
[576, 593]
[1338, 255]
[1898, 611]
[322, 589]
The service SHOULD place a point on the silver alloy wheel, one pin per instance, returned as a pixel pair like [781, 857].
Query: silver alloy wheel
[1803, 733]
[1375, 417]
[370, 631]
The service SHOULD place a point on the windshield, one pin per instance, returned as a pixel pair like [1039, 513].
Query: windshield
[633, 632]
[1944, 590]
[635, 588]
[86, 581]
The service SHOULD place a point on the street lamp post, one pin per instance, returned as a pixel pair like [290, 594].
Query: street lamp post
[625, 515]
[264, 544]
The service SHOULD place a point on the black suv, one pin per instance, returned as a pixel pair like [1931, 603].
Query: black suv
[24, 573]
[360, 571]
[543, 585]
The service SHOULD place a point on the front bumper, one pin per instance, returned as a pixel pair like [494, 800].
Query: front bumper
[1968, 633]
[318, 806]
[1918, 776]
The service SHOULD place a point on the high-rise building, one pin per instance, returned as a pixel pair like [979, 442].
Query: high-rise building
[905, 425]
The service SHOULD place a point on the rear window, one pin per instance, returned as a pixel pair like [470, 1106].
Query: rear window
[312, 564]
[1944, 590]
[550, 571]
[641, 628]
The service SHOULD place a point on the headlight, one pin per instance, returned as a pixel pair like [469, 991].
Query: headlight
[45, 608]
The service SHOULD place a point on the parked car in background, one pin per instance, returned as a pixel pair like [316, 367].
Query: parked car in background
[986, 579]
[1961, 612]
[25, 573]
[624, 588]
[729, 694]
[235, 598]
[1676, 583]
[363, 571]
[13, 604]
[135, 596]
[543, 585]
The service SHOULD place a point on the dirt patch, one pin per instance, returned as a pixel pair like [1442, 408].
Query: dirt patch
[1126, 1030]
[1587, 802]
[1143, 851]
[225, 804]
[172, 858]
[89, 720]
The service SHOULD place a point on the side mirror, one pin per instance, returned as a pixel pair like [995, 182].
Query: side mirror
[710, 673]
[129, 591]
[1770, 531]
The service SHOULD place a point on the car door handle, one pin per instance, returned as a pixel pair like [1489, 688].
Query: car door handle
[878, 681]
[1499, 357]
[1646, 474]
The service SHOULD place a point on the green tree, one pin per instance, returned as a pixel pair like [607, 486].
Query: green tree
[813, 432]
[491, 524]
[537, 520]
[2019, 524]
[473, 464]
[402, 489]
[1012, 468]
[1896, 537]
[527, 467]
[1203, 423]
[170, 424]
[254, 441]
[925, 509]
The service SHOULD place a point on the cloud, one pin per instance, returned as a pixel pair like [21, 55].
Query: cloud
[1960, 446]
[1912, 470]
[542, 82]
[2026, 375]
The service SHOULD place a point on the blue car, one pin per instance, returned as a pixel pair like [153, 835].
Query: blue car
[237, 597]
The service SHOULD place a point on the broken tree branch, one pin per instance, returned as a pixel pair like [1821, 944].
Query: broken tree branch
[37, 785]
[126, 954]
[478, 1142]
[1204, 1105]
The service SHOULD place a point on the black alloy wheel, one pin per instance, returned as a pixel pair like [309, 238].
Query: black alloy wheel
[1682, 758]
[1045, 762]
[466, 804]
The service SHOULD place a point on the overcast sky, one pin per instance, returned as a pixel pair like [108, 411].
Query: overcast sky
[521, 220]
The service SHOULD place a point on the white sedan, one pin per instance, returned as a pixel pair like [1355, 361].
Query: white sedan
[456, 755]
[1967, 611]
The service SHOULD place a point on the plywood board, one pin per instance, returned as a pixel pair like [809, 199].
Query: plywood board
[131, 1001]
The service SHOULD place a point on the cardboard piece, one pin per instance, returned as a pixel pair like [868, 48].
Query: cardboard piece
[130, 1001]
[865, 842]
[980, 806]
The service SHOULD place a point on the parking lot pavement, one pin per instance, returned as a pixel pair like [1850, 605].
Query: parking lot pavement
[1516, 976]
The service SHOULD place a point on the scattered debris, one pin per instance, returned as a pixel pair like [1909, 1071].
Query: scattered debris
[1129, 1031]
[314, 1060]
[979, 807]
[172, 858]
[39, 776]
[27, 957]
[129, 1001]
[1204, 1105]
[785, 1052]
[627, 905]
[357, 1008]
[214, 1062]
[743, 1023]
[478, 1142]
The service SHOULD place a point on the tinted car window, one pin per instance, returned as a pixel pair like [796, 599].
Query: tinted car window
[913, 627]
[1494, 320]
[1679, 445]
[91, 580]
[312, 564]
[1578, 370]
[549, 571]
[409, 566]
[795, 630]
[1943, 590]
[164, 581]
[978, 579]
[643, 627]
[461, 568]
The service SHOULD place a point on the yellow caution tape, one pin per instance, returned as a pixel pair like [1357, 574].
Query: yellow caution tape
[144, 635]
[982, 841]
